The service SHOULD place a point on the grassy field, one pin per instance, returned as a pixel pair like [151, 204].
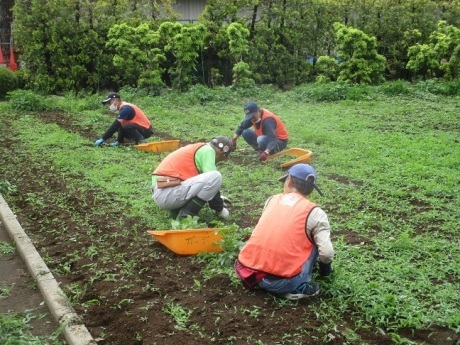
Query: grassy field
[388, 162]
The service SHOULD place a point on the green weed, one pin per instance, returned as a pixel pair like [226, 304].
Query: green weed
[181, 315]
[6, 248]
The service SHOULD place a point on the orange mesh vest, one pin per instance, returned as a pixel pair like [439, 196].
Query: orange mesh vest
[279, 244]
[180, 163]
[139, 117]
[280, 130]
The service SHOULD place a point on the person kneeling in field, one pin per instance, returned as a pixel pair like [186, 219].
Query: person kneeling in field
[292, 234]
[131, 122]
[269, 134]
[188, 178]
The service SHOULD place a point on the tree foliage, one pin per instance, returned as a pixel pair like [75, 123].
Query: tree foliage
[360, 62]
[91, 45]
[446, 44]
[185, 42]
[440, 57]
[136, 55]
[238, 46]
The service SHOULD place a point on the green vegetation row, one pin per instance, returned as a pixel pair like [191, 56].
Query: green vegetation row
[104, 45]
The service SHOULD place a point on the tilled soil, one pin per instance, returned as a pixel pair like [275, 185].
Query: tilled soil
[122, 311]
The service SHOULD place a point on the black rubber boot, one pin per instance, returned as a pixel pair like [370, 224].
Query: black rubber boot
[191, 208]
[216, 203]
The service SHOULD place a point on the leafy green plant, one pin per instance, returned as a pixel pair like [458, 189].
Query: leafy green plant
[24, 100]
[398, 87]
[233, 238]
[187, 223]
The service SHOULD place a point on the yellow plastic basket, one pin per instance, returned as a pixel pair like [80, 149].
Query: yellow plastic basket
[189, 241]
[303, 156]
[159, 146]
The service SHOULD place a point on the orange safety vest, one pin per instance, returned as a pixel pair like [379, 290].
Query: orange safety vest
[279, 244]
[180, 163]
[138, 119]
[280, 130]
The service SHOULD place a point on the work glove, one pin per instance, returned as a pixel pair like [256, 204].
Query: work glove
[224, 213]
[325, 269]
[263, 156]
[99, 142]
[115, 143]
[234, 144]
[226, 200]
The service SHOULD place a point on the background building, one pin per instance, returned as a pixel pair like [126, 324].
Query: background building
[189, 10]
[6, 20]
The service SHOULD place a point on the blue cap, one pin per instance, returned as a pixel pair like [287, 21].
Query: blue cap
[302, 172]
[250, 109]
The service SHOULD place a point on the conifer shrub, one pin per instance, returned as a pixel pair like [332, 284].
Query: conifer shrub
[8, 81]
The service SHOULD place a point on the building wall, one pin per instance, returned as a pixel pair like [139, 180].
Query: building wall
[190, 10]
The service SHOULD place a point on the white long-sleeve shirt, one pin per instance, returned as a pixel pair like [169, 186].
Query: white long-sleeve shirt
[318, 228]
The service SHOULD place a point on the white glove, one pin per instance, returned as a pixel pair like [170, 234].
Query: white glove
[224, 213]
[226, 200]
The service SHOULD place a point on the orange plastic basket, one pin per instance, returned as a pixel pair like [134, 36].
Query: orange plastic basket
[189, 241]
[159, 146]
[303, 156]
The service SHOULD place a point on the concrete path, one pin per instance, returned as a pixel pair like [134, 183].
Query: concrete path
[21, 295]
[75, 332]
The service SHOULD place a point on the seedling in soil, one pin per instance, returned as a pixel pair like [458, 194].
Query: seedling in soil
[6, 248]
[5, 291]
[181, 315]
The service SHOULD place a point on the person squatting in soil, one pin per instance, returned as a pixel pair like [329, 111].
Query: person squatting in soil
[188, 178]
[269, 135]
[292, 235]
[131, 122]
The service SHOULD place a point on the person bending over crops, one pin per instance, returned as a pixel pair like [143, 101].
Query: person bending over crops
[188, 178]
[131, 122]
[292, 235]
[269, 135]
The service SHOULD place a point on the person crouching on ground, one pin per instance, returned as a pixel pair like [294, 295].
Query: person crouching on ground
[291, 235]
[188, 178]
[131, 122]
[269, 135]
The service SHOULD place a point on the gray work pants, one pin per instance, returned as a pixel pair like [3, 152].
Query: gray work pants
[204, 186]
